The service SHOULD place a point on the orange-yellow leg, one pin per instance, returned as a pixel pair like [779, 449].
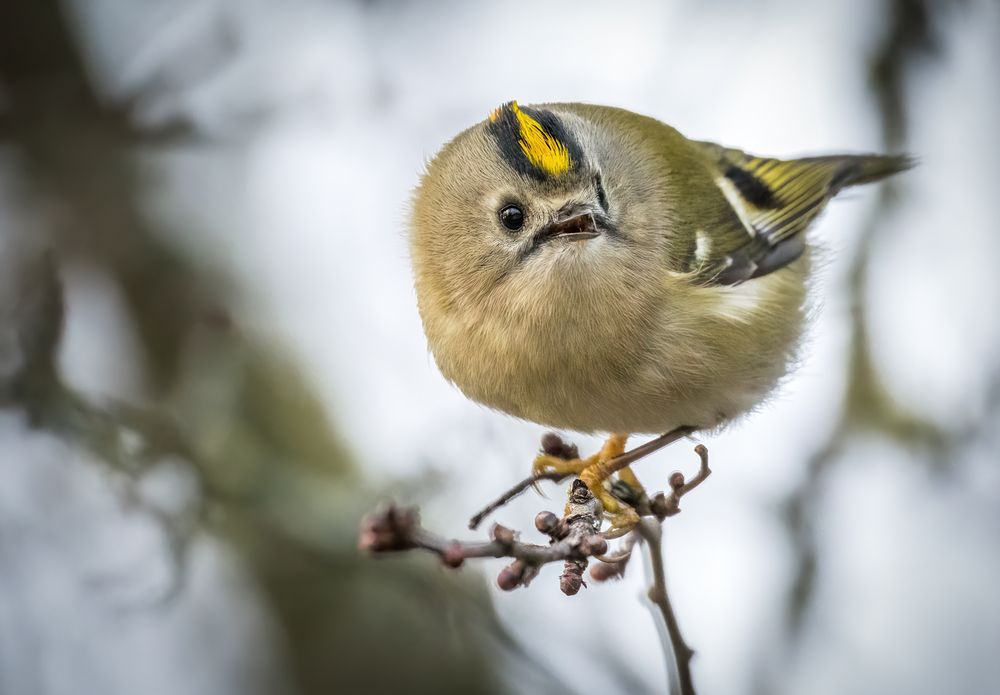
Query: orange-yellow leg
[628, 477]
[594, 474]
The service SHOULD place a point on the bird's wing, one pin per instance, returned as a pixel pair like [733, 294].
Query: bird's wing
[773, 202]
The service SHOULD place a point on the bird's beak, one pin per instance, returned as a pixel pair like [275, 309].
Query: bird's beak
[578, 226]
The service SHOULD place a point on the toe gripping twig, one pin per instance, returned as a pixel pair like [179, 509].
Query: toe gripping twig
[553, 445]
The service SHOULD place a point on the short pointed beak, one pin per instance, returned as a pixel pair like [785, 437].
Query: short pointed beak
[577, 227]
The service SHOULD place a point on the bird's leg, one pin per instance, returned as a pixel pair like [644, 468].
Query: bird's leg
[622, 516]
[594, 471]
[629, 493]
[547, 463]
[627, 476]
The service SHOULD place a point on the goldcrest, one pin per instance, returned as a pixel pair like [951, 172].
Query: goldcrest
[591, 269]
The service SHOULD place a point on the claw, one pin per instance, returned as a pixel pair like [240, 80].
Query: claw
[592, 472]
[544, 463]
[622, 522]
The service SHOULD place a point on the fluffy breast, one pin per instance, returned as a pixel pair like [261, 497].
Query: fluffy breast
[687, 355]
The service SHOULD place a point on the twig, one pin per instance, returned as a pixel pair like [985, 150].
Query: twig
[510, 494]
[662, 505]
[629, 457]
[574, 538]
[650, 531]
[625, 553]
[613, 566]
[652, 534]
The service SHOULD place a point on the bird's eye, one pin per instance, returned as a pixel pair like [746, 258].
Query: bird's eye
[512, 217]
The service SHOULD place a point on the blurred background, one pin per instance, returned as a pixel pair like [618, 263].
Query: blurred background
[211, 363]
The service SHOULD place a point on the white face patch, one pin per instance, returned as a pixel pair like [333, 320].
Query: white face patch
[702, 246]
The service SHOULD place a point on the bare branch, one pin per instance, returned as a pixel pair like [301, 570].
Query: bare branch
[643, 450]
[574, 538]
[652, 534]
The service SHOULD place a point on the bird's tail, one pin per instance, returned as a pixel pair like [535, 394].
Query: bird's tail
[856, 169]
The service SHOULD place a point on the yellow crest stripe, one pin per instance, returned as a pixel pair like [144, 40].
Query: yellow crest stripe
[540, 148]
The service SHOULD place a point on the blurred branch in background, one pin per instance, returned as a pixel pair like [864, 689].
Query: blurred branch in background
[234, 413]
[869, 408]
[275, 483]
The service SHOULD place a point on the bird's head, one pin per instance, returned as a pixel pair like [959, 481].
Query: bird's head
[517, 200]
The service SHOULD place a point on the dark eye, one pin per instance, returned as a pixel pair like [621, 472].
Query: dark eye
[602, 197]
[512, 217]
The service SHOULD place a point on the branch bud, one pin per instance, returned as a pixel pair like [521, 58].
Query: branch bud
[453, 555]
[603, 571]
[509, 578]
[676, 480]
[546, 522]
[502, 535]
[593, 545]
[553, 445]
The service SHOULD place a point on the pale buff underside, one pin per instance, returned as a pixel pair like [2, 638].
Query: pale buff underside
[687, 355]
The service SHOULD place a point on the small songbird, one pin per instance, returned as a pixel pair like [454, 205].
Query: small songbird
[588, 268]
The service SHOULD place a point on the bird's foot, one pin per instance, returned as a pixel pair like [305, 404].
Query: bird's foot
[594, 472]
[548, 464]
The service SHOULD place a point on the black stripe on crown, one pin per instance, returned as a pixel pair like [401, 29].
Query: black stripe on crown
[505, 128]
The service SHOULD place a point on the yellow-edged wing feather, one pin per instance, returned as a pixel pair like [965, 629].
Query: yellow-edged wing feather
[776, 201]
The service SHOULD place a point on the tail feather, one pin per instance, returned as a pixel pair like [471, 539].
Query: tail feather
[854, 170]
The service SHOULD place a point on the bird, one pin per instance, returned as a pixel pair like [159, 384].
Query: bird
[588, 268]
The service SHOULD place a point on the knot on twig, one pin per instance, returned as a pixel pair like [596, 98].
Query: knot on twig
[582, 507]
[579, 493]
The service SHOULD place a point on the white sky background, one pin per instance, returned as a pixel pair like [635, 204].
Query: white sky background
[307, 204]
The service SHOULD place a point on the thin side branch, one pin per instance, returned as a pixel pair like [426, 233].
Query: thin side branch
[662, 505]
[652, 534]
[514, 491]
[629, 457]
